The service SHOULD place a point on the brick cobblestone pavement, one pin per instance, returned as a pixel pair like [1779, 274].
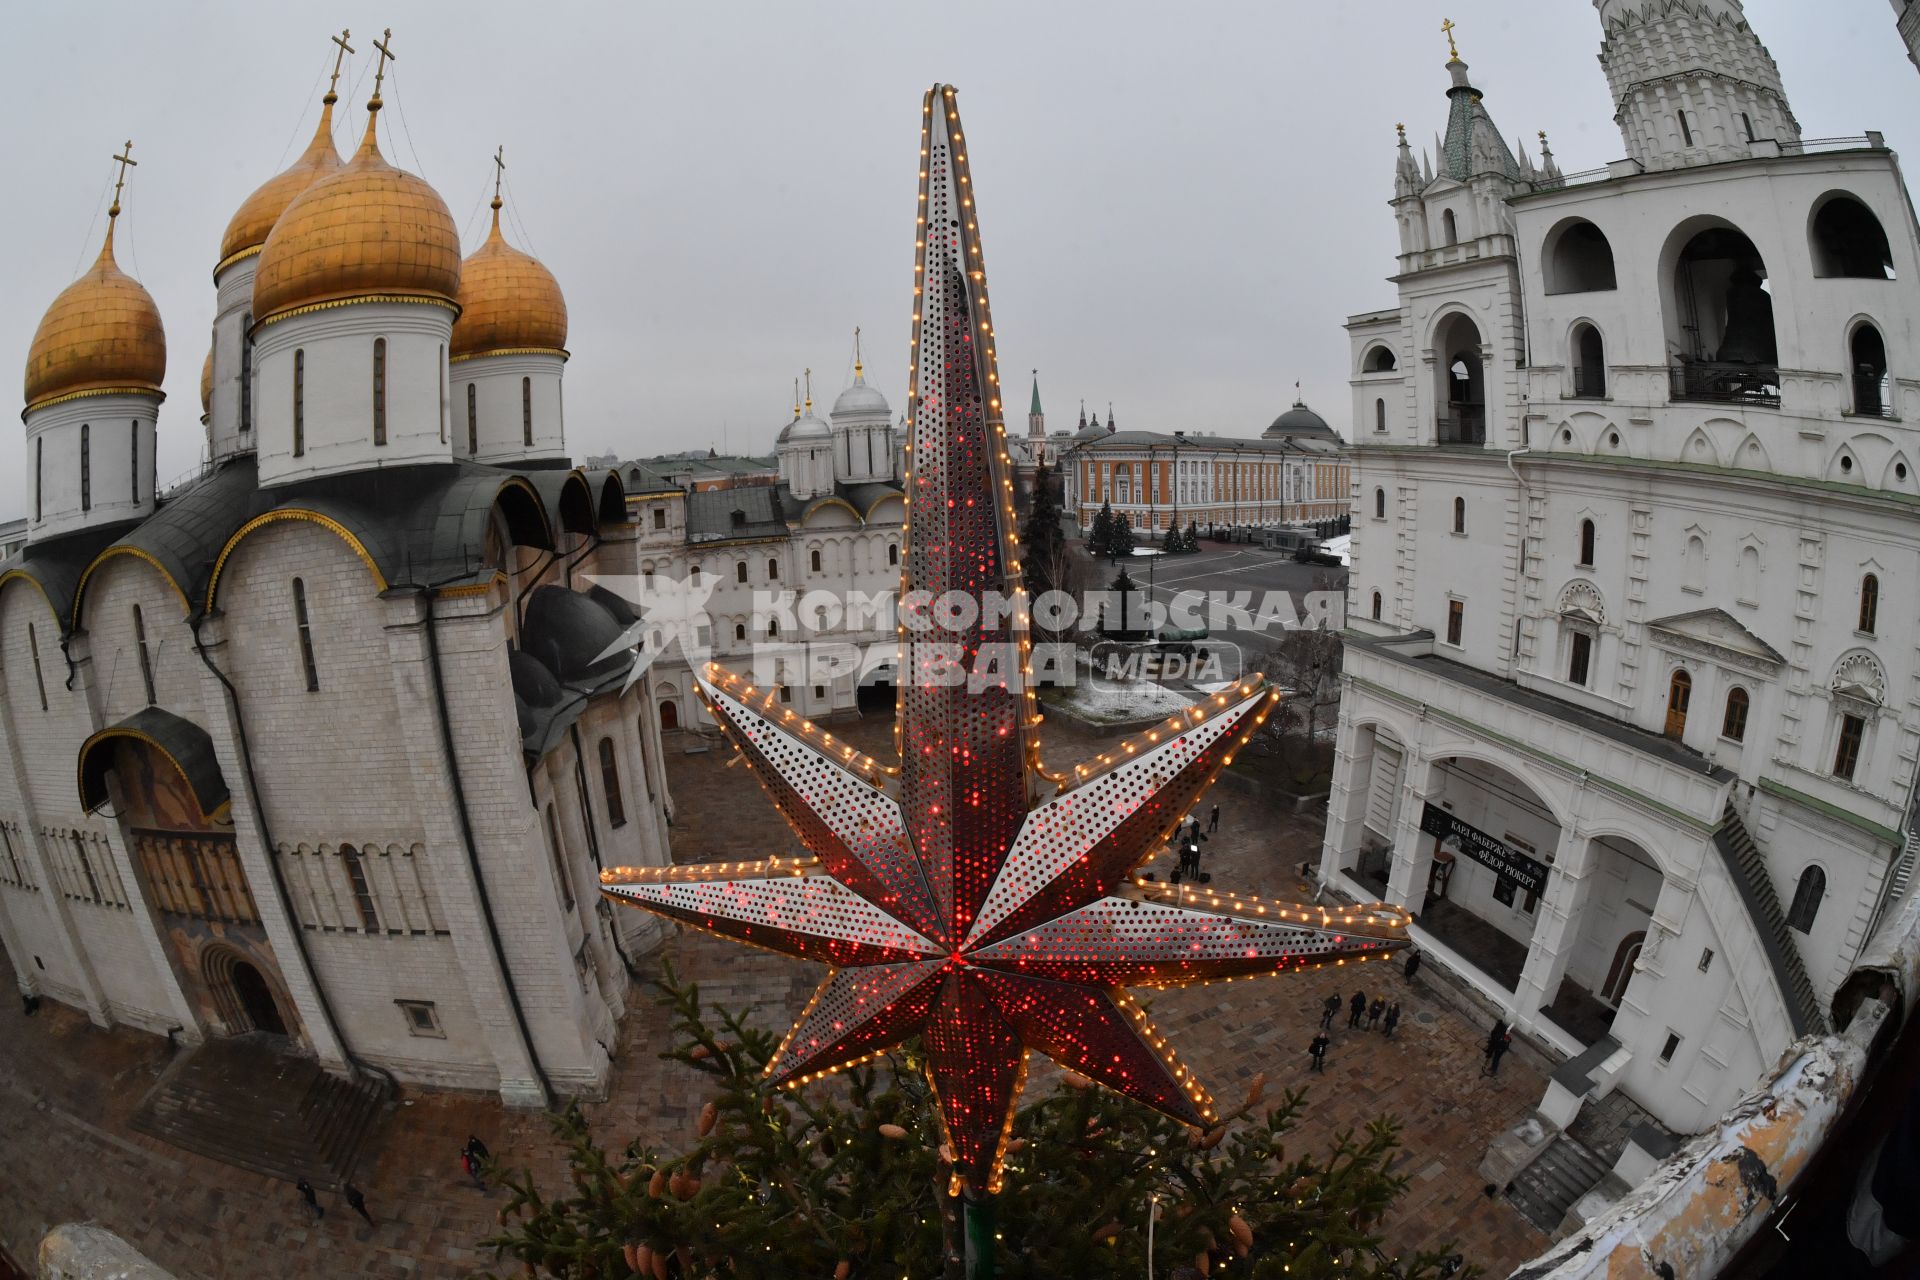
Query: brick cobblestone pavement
[67, 1088]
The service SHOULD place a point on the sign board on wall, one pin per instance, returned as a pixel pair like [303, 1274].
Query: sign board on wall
[1529, 874]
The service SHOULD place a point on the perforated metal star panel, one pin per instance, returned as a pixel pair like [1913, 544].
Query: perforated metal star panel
[964, 894]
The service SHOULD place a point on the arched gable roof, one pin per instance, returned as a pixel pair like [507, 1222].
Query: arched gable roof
[56, 566]
[424, 524]
[181, 742]
[182, 540]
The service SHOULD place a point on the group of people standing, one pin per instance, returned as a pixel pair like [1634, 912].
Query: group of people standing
[1187, 839]
[1380, 1014]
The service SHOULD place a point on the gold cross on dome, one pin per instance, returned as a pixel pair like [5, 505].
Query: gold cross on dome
[499, 170]
[1446, 27]
[338, 57]
[380, 71]
[125, 158]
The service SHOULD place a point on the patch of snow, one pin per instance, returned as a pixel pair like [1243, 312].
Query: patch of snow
[1148, 551]
[1105, 700]
[1341, 546]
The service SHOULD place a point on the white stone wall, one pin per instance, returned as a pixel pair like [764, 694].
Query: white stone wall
[494, 416]
[338, 434]
[120, 484]
[228, 431]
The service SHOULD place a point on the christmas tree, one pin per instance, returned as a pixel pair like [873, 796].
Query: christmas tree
[1101, 535]
[847, 1178]
[1119, 537]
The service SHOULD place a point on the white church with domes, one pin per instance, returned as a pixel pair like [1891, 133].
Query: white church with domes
[330, 741]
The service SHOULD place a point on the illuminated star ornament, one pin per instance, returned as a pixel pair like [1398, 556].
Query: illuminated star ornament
[964, 894]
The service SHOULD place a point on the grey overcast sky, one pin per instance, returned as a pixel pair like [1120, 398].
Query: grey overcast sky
[1179, 203]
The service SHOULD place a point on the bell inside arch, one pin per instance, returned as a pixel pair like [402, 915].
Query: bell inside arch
[1748, 330]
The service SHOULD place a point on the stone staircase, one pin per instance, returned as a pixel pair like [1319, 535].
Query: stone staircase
[1558, 1176]
[1748, 867]
[250, 1103]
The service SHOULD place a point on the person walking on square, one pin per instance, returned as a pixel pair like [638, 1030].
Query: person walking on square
[1499, 1040]
[1413, 963]
[1213, 820]
[1374, 1010]
[357, 1202]
[305, 1189]
[1393, 1019]
[1328, 1011]
[1317, 1051]
[1356, 1008]
[478, 1149]
[471, 1167]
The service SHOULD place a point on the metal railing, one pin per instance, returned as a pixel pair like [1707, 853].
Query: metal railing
[1870, 396]
[1462, 424]
[1718, 383]
[186, 481]
[1589, 383]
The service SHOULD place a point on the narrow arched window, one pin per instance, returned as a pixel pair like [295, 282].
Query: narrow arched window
[740, 571]
[773, 628]
[305, 630]
[1807, 894]
[441, 377]
[379, 390]
[473, 420]
[1379, 504]
[1377, 602]
[1379, 415]
[146, 659]
[1459, 515]
[39, 679]
[86, 467]
[133, 456]
[693, 575]
[362, 890]
[1686, 134]
[246, 372]
[526, 411]
[299, 403]
[893, 553]
[813, 559]
[1733, 725]
[739, 631]
[1449, 229]
[39, 472]
[773, 570]
[610, 783]
[1869, 602]
[646, 771]
[561, 881]
[1746, 122]
[1588, 536]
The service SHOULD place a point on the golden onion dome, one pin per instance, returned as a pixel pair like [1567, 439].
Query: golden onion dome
[102, 334]
[254, 221]
[206, 384]
[366, 230]
[508, 301]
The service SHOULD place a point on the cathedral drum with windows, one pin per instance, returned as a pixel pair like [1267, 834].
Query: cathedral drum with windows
[1630, 717]
[329, 740]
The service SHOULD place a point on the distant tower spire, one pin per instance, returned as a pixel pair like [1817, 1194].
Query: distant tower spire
[1083, 413]
[1036, 419]
[1110, 427]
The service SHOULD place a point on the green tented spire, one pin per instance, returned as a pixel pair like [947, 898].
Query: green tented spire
[1035, 411]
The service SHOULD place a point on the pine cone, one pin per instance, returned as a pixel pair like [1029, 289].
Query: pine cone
[893, 1131]
[708, 1114]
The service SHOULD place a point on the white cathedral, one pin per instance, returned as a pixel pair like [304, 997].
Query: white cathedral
[327, 743]
[1632, 715]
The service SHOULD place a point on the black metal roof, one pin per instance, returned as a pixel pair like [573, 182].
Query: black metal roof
[56, 566]
[181, 741]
